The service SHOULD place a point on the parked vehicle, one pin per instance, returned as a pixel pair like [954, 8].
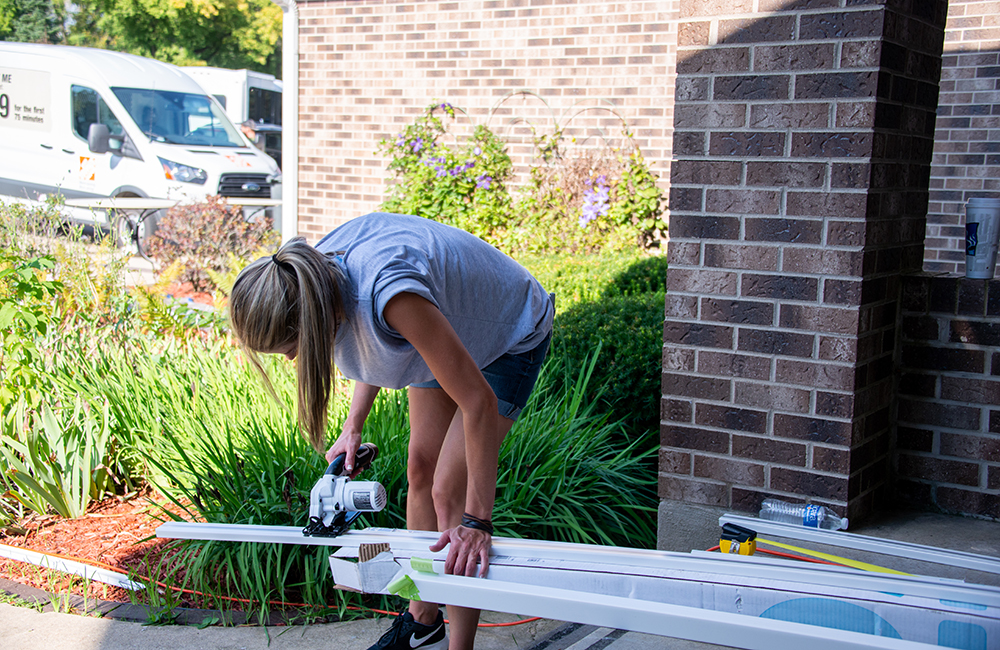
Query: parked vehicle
[251, 98]
[87, 123]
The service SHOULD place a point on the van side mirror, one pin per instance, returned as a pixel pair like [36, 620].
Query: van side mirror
[98, 138]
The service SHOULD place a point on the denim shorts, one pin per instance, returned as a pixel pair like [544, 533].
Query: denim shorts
[512, 377]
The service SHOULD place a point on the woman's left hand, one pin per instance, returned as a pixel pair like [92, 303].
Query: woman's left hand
[468, 547]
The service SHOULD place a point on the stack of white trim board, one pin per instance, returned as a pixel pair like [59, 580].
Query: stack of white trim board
[740, 601]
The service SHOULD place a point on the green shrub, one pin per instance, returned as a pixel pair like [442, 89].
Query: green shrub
[629, 332]
[590, 278]
[616, 301]
[596, 200]
[642, 275]
[462, 186]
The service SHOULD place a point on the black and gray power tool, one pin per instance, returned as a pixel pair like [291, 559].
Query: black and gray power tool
[336, 501]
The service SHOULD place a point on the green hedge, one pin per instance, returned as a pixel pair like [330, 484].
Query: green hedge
[614, 302]
[591, 278]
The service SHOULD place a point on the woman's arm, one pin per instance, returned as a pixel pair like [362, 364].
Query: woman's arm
[350, 437]
[426, 328]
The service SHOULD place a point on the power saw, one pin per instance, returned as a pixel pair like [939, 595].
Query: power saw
[336, 501]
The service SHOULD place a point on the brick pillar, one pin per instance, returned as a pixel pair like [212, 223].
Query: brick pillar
[802, 149]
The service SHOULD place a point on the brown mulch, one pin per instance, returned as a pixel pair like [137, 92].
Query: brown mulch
[115, 533]
[186, 290]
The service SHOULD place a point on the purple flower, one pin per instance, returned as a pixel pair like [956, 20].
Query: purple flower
[401, 141]
[595, 201]
[417, 144]
[483, 182]
[477, 151]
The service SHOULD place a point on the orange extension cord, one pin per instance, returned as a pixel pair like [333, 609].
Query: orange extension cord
[108, 567]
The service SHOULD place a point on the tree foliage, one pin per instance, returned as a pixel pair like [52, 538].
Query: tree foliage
[224, 33]
[31, 21]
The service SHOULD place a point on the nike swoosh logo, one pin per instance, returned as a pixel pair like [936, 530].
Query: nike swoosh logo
[417, 640]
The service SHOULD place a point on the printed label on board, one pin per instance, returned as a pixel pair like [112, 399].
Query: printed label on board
[25, 99]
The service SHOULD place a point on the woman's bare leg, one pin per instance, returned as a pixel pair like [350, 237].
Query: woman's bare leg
[437, 475]
[431, 413]
[450, 481]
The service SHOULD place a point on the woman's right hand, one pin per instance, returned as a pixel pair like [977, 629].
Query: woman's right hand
[348, 444]
[350, 437]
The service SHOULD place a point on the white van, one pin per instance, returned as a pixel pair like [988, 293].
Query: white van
[247, 96]
[88, 123]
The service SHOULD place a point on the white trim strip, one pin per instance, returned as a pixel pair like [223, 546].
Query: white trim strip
[69, 566]
[734, 630]
[865, 543]
[603, 559]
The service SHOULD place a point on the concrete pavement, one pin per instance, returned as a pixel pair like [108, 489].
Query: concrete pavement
[27, 629]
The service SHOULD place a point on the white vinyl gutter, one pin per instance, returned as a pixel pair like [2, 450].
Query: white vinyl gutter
[73, 567]
[289, 119]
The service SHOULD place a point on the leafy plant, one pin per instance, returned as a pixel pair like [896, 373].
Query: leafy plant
[58, 462]
[161, 602]
[25, 316]
[629, 330]
[463, 186]
[88, 277]
[201, 236]
[615, 301]
[638, 202]
[600, 198]
[564, 474]
[33, 230]
[590, 278]
[261, 475]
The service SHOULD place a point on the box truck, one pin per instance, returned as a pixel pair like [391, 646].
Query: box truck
[247, 96]
[87, 123]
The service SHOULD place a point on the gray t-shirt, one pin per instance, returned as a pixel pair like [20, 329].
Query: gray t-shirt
[492, 302]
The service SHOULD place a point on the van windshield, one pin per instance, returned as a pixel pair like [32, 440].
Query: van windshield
[179, 118]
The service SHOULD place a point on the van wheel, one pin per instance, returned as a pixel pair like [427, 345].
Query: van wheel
[123, 229]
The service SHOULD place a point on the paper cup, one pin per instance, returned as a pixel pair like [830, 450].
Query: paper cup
[982, 234]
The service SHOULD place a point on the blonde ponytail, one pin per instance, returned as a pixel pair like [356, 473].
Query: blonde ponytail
[293, 297]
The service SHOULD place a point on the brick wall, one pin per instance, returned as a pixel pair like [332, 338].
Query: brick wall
[803, 137]
[948, 437]
[967, 147]
[367, 67]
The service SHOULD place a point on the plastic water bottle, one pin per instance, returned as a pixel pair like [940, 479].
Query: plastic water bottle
[803, 514]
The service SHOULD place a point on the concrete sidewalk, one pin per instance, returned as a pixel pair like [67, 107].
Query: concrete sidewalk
[27, 629]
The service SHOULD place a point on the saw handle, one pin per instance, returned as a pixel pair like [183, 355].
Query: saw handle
[363, 457]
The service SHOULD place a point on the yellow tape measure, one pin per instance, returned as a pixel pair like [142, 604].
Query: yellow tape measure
[738, 540]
